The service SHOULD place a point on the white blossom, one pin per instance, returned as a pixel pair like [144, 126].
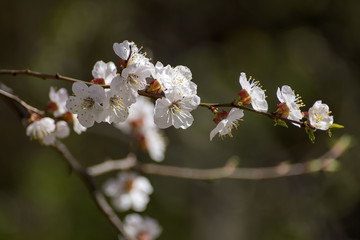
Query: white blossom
[40, 128]
[225, 126]
[257, 95]
[171, 78]
[124, 49]
[62, 131]
[106, 71]
[319, 116]
[87, 103]
[129, 190]
[293, 102]
[141, 228]
[129, 52]
[117, 103]
[174, 109]
[141, 124]
[59, 98]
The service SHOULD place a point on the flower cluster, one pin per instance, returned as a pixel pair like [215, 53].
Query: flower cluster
[47, 129]
[177, 93]
[288, 109]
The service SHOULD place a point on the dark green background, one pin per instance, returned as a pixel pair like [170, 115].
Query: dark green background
[313, 46]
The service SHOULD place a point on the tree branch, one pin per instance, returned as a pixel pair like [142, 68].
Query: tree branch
[43, 76]
[327, 162]
[95, 193]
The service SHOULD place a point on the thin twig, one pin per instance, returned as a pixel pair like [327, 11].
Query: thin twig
[95, 193]
[327, 162]
[44, 76]
[21, 102]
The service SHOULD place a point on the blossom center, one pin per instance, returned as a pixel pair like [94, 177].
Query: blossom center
[117, 102]
[244, 97]
[88, 102]
[132, 79]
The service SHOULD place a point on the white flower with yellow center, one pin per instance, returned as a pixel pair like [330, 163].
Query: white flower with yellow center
[116, 106]
[226, 125]
[293, 103]
[40, 128]
[141, 228]
[174, 109]
[252, 93]
[87, 103]
[319, 116]
[129, 190]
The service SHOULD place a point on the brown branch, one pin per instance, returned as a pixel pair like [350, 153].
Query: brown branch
[43, 76]
[327, 162]
[21, 102]
[95, 193]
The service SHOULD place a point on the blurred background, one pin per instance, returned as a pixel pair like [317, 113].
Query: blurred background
[313, 46]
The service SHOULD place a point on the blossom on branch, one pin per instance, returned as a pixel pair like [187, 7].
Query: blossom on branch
[227, 122]
[252, 93]
[140, 124]
[87, 103]
[174, 110]
[141, 228]
[62, 130]
[57, 102]
[290, 104]
[105, 71]
[319, 116]
[129, 190]
[40, 127]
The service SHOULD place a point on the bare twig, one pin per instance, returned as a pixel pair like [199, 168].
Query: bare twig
[326, 162]
[21, 102]
[95, 193]
[43, 76]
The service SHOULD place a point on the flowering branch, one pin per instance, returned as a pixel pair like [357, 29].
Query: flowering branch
[75, 166]
[233, 105]
[155, 96]
[326, 162]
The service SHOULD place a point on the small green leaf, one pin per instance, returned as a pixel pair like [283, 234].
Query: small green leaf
[336, 126]
[279, 122]
[310, 133]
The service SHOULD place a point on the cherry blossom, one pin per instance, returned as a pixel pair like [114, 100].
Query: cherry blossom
[87, 103]
[62, 131]
[141, 228]
[252, 93]
[57, 101]
[290, 104]
[140, 124]
[225, 126]
[129, 190]
[174, 109]
[40, 127]
[319, 116]
[106, 71]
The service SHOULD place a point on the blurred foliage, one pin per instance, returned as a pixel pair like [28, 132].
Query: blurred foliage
[312, 46]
